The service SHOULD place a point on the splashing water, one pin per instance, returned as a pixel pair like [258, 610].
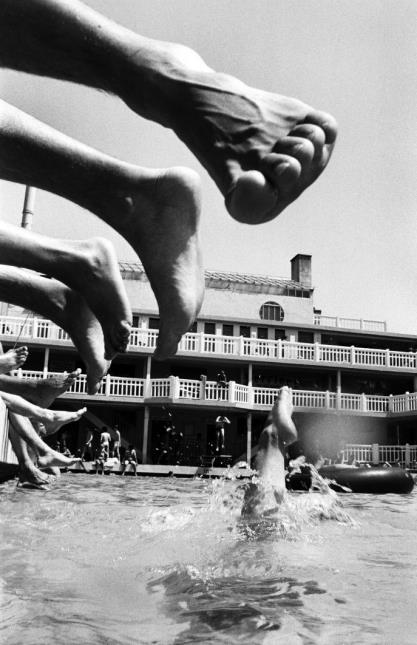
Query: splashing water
[139, 560]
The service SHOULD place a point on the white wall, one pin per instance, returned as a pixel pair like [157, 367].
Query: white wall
[228, 304]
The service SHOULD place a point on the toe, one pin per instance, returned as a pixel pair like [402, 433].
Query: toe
[252, 199]
[298, 148]
[326, 122]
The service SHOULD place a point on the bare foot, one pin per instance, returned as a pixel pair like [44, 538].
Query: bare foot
[161, 225]
[30, 476]
[13, 359]
[94, 272]
[41, 392]
[261, 149]
[87, 335]
[58, 418]
[52, 458]
[49, 389]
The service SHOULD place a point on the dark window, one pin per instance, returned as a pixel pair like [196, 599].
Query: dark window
[153, 323]
[305, 337]
[227, 330]
[209, 328]
[244, 331]
[271, 311]
[135, 320]
[280, 334]
[263, 332]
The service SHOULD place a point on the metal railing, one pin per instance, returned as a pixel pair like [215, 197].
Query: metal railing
[235, 394]
[228, 346]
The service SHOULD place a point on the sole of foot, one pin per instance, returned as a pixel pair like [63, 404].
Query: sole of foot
[163, 229]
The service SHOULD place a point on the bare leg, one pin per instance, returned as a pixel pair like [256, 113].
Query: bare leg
[66, 308]
[89, 267]
[28, 473]
[53, 420]
[13, 359]
[280, 431]
[156, 211]
[261, 149]
[46, 456]
[41, 392]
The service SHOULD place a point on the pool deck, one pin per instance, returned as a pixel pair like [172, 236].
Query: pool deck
[9, 471]
[155, 470]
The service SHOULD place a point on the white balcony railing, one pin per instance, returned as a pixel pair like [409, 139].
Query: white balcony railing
[234, 394]
[350, 323]
[404, 455]
[144, 340]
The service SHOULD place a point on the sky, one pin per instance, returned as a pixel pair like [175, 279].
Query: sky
[351, 58]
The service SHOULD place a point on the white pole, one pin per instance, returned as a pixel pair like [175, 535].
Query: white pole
[28, 208]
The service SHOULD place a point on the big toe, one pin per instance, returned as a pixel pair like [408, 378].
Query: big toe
[257, 197]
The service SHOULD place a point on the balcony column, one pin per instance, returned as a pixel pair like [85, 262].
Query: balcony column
[249, 438]
[148, 367]
[145, 434]
[232, 392]
[174, 387]
[201, 342]
[338, 389]
[203, 381]
[107, 386]
[250, 375]
[218, 340]
[45, 362]
[407, 455]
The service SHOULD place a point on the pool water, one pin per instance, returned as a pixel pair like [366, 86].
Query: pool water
[122, 560]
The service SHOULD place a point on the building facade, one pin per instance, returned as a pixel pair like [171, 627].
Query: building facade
[353, 381]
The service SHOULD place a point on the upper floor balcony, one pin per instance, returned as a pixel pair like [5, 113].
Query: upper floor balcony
[143, 341]
[350, 323]
[203, 393]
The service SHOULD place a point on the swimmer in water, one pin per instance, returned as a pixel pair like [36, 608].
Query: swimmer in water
[263, 497]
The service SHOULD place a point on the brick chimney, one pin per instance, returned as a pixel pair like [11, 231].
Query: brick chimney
[301, 269]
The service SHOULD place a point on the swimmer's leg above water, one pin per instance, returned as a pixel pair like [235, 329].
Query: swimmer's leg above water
[261, 149]
[280, 431]
[67, 309]
[156, 211]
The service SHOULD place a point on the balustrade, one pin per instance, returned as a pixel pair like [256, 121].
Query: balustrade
[235, 393]
[198, 343]
[404, 455]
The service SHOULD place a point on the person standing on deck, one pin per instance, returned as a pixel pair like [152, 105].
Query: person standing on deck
[117, 443]
[220, 423]
[105, 441]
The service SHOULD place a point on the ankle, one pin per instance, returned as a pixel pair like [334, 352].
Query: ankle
[152, 70]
